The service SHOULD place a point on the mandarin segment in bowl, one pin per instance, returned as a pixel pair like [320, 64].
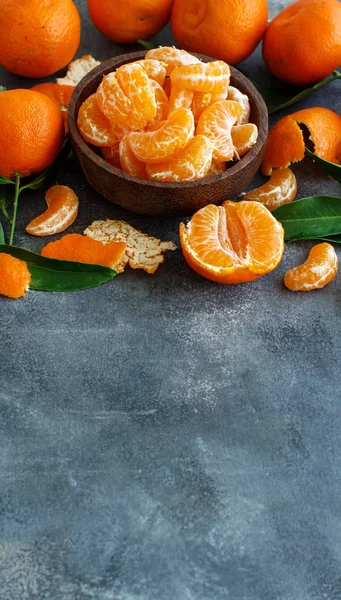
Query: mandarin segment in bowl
[243, 138]
[211, 78]
[93, 125]
[129, 162]
[242, 99]
[172, 57]
[216, 123]
[319, 269]
[193, 162]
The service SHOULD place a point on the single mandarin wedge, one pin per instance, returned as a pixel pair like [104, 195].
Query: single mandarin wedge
[179, 98]
[319, 269]
[93, 126]
[216, 168]
[243, 138]
[60, 94]
[112, 155]
[280, 189]
[77, 247]
[129, 163]
[193, 162]
[212, 77]
[137, 86]
[216, 123]
[285, 144]
[62, 210]
[14, 276]
[242, 99]
[167, 141]
[202, 100]
[172, 57]
[155, 69]
[232, 243]
[162, 104]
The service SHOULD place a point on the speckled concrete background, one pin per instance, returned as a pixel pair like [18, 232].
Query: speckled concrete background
[165, 438]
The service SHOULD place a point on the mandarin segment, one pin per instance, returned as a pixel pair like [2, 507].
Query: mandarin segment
[242, 99]
[155, 69]
[167, 141]
[14, 276]
[280, 189]
[129, 162]
[233, 243]
[319, 269]
[193, 162]
[137, 86]
[202, 100]
[216, 168]
[117, 106]
[62, 210]
[79, 248]
[162, 104]
[172, 57]
[212, 77]
[216, 123]
[243, 138]
[93, 126]
[112, 155]
[179, 98]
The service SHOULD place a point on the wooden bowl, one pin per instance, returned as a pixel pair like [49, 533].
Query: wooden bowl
[164, 199]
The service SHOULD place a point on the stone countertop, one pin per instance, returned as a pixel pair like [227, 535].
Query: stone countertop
[166, 438]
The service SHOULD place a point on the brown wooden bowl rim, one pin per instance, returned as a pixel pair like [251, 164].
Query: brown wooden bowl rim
[102, 163]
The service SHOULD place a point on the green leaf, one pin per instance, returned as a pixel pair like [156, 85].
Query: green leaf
[3, 88]
[4, 180]
[52, 275]
[334, 239]
[148, 45]
[2, 235]
[310, 218]
[279, 98]
[330, 168]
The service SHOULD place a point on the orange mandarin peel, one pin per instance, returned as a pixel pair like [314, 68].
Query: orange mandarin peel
[14, 276]
[79, 248]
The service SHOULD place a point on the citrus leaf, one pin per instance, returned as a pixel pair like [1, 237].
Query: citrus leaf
[330, 168]
[2, 235]
[4, 180]
[52, 275]
[334, 239]
[310, 218]
[279, 98]
[148, 45]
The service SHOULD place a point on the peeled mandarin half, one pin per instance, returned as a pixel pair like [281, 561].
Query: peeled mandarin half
[233, 243]
[280, 189]
[62, 210]
[216, 123]
[165, 142]
[172, 57]
[77, 247]
[193, 162]
[243, 138]
[93, 126]
[129, 163]
[285, 144]
[212, 77]
[14, 276]
[319, 269]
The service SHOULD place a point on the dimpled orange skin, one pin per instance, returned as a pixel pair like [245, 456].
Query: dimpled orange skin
[32, 132]
[228, 30]
[14, 276]
[303, 42]
[38, 37]
[129, 20]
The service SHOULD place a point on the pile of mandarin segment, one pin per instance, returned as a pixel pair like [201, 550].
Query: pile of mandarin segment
[169, 117]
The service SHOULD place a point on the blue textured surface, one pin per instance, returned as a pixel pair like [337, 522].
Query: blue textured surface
[166, 438]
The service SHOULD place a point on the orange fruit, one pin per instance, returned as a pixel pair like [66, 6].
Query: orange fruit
[14, 276]
[303, 42]
[38, 37]
[212, 77]
[243, 138]
[172, 57]
[193, 162]
[280, 189]
[77, 247]
[62, 210]
[285, 143]
[167, 141]
[112, 155]
[60, 94]
[93, 126]
[242, 99]
[129, 163]
[216, 123]
[232, 243]
[130, 20]
[319, 269]
[32, 132]
[228, 30]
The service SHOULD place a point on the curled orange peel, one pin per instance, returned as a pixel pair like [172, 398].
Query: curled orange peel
[286, 144]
